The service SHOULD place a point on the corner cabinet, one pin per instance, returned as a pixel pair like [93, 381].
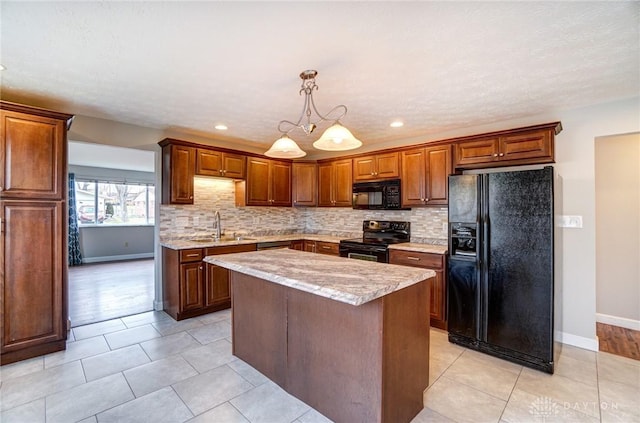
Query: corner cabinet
[305, 184]
[268, 183]
[192, 287]
[377, 166]
[424, 176]
[435, 262]
[530, 145]
[33, 211]
[178, 170]
[335, 183]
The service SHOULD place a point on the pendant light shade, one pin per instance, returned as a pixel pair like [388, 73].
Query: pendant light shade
[337, 138]
[285, 148]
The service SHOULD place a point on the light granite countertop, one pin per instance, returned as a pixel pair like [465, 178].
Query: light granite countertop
[182, 244]
[349, 281]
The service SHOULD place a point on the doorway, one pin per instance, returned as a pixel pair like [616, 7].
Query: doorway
[617, 181]
[114, 191]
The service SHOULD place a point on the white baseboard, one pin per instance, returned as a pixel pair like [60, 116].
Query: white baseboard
[577, 341]
[622, 322]
[117, 258]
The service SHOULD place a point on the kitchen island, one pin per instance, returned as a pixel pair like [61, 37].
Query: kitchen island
[348, 337]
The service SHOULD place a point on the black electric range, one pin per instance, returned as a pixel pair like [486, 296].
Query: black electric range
[377, 235]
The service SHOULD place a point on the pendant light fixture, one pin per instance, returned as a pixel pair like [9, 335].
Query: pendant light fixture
[335, 138]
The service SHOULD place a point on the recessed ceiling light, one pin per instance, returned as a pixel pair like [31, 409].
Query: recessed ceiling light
[221, 127]
[396, 124]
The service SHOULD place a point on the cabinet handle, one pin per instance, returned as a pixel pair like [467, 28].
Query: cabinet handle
[501, 154]
[495, 154]
[324, 247]
[426, 200]
[191, 197]
[413, 258]
[201, 268]
[193, 255]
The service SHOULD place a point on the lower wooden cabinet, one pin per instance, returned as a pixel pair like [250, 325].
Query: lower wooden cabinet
[297, 245]
[191, 287]
[436, 262]
[309, 246]
[33, 284]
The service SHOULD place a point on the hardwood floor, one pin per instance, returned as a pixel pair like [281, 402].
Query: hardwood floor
[619, 341]
[104, 291]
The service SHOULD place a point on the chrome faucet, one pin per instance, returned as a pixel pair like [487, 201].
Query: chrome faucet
[216, 226]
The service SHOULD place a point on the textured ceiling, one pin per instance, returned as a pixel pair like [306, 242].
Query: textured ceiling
[437, 66]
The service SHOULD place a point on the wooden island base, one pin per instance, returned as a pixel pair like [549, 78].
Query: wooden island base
[367, 363]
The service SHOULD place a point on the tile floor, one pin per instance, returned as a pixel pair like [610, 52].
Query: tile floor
[149, 368]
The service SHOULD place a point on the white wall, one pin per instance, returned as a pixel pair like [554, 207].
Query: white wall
[617, 161]
[109, 243]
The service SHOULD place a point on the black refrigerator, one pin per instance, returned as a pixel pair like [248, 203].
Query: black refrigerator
[500, 268]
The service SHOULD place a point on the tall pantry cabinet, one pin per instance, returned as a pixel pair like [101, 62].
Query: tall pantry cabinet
[33, 237]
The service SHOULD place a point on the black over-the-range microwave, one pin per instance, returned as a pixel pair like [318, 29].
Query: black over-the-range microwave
[380, 195]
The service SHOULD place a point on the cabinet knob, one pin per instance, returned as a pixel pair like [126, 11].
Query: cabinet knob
[501, 154]
[495, 154]
[426, 200]
[191, 197]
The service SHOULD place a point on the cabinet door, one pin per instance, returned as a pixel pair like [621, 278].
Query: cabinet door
[364, 168]
[342, 183]
[387, 165]
[305, 184]
[33, 266]
[178, 169]
[191, 295]
[297, 245]
[218, 289]
[32, 156]
[476, 151]
[438, 167]
[325, 184]
[533, 145]
[280, 184]
[438, 301]
[257, 182]
[309, 246]
[233, 166]
[414, 177]
[208, 162]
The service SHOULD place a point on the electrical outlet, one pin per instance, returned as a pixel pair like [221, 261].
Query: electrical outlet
[570, 222]
[445, 227]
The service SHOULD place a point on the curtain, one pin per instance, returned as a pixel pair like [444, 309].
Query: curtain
[75, 256]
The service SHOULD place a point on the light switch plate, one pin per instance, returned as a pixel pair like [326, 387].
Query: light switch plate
[570, 222]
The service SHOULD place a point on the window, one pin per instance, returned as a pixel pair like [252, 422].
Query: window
[112, 203]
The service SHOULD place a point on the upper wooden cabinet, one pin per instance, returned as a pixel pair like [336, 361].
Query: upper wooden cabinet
[531, 145]
[305, 184]
[178, 170]
[378, 166]
[33, 151]
[424, 176]
[268, 182]
[218, 163]
[335, 183]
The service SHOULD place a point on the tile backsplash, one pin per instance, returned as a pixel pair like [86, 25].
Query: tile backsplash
[210, 194]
